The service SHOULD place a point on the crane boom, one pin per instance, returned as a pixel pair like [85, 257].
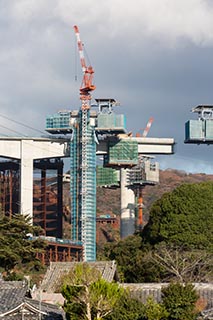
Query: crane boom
[148, 126]
[88, 71]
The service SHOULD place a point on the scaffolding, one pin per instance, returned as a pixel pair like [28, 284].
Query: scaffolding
[145, 173]
[83, 184]
[121, 153]
[58, 122]
[201, 130]
[107, 177]
[107, 120]
[81, 125]
[111, 122]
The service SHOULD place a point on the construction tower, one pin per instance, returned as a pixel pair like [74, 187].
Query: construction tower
[81, 125]
[83, 166]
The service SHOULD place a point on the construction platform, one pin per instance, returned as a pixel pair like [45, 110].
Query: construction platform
[200, 131]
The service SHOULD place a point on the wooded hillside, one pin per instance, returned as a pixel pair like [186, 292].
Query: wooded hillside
[108, 200]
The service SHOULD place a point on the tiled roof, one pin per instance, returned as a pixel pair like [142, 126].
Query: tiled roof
[57, 269]
[47, 308]
[142, 291]
[207, 314]
[13, 299]
[12, 294]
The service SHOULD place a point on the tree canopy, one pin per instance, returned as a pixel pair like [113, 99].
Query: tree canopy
[128, 254]
[180, 301]
[16, 249]
[176, 243]
[88, 295]
[183, 217]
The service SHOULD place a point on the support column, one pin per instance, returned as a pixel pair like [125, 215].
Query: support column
[60, 202]
[10, 193]
[26, 194]
[127, 207]
[44, 200]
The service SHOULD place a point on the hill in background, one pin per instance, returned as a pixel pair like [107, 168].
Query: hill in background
[108, 200]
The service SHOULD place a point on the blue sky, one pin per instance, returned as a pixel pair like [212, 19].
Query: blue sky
[154, 56]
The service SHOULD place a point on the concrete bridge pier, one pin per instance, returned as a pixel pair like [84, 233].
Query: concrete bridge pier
[127, 207]
[26, 181]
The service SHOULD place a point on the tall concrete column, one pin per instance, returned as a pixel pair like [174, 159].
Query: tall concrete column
[127, 207]
[26, 192]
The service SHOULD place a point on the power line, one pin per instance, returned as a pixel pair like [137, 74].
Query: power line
[4, 135]
[22, 124]
[12, 130]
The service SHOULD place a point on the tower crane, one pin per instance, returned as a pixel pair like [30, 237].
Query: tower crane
[84, 212]
[87, 83]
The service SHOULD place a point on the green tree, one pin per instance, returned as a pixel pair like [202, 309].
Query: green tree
[179, 301]
[17, 250]
[74, 305]
[87, 295]
[154, 310]
[105, 297]
[183, 217]
[183, 220]
[129, 255]
[76, 290]
[134, 260]
[127, 308]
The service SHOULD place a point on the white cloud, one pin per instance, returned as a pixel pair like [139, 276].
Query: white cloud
[129, 44]
[166, 20]
[82, 11]
[26, 10]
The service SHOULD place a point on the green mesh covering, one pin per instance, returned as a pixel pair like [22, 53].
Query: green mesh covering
[199, 130]
[122, 152]
[59, 120]
[111, 121]
[107, 177]
[194, 129]
[209, 129]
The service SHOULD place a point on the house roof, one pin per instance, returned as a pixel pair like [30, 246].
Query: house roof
[142, 291]
[207, 314]
[107, 269]
[12, 294]
[14, 301]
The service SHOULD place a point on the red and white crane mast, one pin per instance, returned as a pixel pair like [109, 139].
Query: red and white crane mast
[148, 126]
[87, 83]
